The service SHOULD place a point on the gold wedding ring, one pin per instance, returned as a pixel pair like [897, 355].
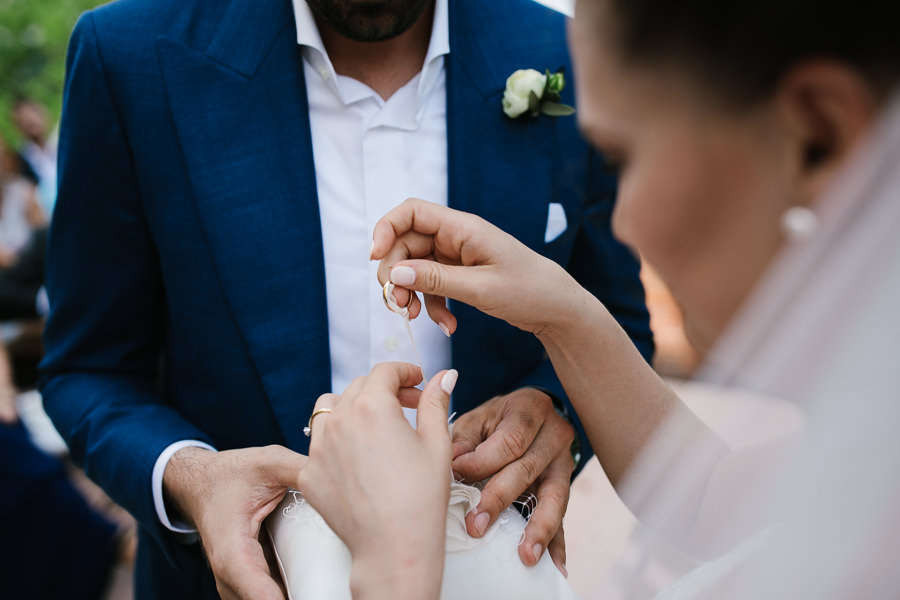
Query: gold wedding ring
[391, 302]
[307, 431]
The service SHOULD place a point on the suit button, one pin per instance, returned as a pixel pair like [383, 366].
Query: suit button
[391, 344]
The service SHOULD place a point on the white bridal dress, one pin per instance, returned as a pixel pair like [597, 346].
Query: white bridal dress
[315, 563]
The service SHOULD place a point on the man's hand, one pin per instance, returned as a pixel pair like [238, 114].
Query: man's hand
[522, 444]
[226, 496]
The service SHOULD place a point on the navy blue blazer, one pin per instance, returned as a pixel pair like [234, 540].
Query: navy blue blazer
[185, 266]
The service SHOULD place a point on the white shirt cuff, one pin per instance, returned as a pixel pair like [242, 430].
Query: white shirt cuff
[157, 483]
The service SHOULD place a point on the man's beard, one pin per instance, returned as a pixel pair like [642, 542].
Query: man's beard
[369, 20]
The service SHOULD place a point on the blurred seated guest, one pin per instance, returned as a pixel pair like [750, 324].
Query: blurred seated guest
[39, 150]
[21, 283]
[8, 412]
[54, 545]
[20, 209]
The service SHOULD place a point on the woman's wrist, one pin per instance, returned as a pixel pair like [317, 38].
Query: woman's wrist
[396, 575]
[568, 308]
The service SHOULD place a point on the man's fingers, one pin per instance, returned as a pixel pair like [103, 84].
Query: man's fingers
[557, 550]
[546, 458]
[546, 519]
[241, 570]
[468, 430]
[510, 441]
[499, 492]
[248, 579]
[256, 584]
[279, 465]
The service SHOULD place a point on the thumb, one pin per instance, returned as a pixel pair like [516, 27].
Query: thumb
[450, 281]
[434, 403]
[280, 465]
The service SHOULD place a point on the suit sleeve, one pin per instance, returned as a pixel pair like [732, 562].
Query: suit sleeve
[611, 272]
[100, 375]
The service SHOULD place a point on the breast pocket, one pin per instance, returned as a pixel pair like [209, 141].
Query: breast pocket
[556, 222]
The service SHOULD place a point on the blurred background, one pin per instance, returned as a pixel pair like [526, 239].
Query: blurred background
[60, 536]
[33, 39]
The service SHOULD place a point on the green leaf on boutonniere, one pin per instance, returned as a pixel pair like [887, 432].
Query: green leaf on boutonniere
[556, 109]
[534, 104]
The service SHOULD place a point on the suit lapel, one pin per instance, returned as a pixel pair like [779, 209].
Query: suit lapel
[241, 113]
[498, 168]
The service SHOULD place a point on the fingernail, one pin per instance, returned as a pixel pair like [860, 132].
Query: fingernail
[481, 522]
[448, 381]
[445, 329]
[563, 570]
[371, 249]
[536, 550]
[403, 276]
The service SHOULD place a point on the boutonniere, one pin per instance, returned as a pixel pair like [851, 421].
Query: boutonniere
[530, 93]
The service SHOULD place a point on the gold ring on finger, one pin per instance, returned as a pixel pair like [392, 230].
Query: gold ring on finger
[387, 293]
[307, 431]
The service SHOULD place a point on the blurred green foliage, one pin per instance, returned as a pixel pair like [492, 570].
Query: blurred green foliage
[34, 35]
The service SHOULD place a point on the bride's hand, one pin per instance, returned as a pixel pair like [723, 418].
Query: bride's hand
[381, 485]
[445, 253]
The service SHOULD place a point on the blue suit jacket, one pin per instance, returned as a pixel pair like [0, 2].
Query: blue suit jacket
[186, 273]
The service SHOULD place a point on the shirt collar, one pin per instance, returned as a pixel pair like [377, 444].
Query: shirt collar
[314, 49]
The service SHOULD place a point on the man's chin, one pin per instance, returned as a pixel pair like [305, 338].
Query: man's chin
[369, 20]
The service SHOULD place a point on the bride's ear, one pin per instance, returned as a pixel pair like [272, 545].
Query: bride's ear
[828, 107]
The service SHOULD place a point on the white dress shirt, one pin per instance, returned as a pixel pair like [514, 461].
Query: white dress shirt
[370, 155]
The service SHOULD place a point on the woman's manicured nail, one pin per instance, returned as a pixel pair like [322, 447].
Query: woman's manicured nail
[562, 569]
[371, 249]
[445, 329]
[448, 381]
[536, 550]
[481, 522]
[403, 276]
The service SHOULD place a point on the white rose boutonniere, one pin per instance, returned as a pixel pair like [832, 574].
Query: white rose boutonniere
[528, 92]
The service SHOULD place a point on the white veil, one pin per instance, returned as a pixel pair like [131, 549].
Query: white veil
[819, 518]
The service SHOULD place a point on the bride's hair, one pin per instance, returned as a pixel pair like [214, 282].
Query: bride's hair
[741, 49]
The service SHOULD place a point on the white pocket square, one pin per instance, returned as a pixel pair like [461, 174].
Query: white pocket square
[556, 222]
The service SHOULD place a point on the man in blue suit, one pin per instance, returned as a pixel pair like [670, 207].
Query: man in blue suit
[221, 163]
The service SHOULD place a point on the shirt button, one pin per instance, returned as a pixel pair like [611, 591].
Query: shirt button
[391, 344]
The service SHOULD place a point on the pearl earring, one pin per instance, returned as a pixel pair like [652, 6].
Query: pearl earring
[798, 223]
